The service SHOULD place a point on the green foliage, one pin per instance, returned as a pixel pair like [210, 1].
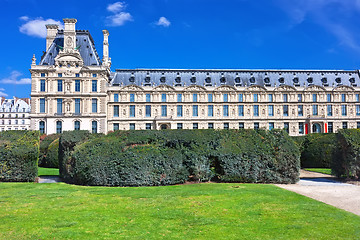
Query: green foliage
[147, 158]
[346, 159]
[52, 155]
[316, 149]
[44, 160]
[19, 154]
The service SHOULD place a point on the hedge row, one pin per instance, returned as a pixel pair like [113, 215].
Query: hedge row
[49, 148]
[19, 155]
[149, 158]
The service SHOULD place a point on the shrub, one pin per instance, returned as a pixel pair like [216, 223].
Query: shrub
[45, 141]
[19, 154]
[317, 150]
[148, 158]
[346, 159]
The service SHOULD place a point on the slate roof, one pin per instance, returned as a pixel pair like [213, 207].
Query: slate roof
[237, 78]
[83, 39]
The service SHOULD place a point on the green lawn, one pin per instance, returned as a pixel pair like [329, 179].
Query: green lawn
[198, 211]
[320, 170]
[48, 171]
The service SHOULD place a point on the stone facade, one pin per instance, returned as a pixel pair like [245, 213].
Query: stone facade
[14, 114]
[301, 101]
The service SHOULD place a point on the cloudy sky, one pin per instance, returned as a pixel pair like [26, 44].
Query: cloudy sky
[244, 34]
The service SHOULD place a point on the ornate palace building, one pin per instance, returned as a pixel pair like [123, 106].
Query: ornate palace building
[72, 88]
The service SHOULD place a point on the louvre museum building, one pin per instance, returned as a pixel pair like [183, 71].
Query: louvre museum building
[73, 88]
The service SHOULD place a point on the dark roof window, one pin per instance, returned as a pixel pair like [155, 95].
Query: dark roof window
[324, 80]
[237, 80]
[252, 80]
[163, 79]
[193, 79]
[338, 80]
[222, 80]
[178, 79]
[281, 80]
[147, 79]
[132, 79]
[267, 80]
[310, 80]
[296, 80]
[352, 80]
[208, 79]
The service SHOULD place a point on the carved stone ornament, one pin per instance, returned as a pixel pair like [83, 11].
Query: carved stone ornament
[69, 41]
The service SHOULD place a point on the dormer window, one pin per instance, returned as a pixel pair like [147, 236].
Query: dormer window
[132, 79]
[324, 80]
[178, 79]
[310, 80]
[163, 79]
[252, 80]
[352, 80]
[147, 79]
[193, 79]
[338, 80]
[237, 80]
[208, 79]
[267, 80]
[296, 80]
[281, 80]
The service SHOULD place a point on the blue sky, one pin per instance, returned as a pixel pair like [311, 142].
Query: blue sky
[229, 34]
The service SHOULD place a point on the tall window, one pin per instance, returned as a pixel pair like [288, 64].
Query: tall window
[195, 125]
[60, 85]
[256, 110]
[116, 111]
[210, 97]
[314, 97]
[42, 85]
[42, 127]
[241, 110]
[147, 110]
[286, 110]
[148, 126]
[329, 110]
[59, 106]
[210, 110]
[299, 97]
[271, 126]
[163, 110]
[226, 97]
[285, 97]
[179, 126]
[241, 125]
[241, 97]
[179, 110]
[94, 75]
[77, 85]
[343, 97]
[94, 85]
[116, 97]
[286, 127]
[94, 105]
[210, 125]
[270, 97]
[256, 125]
[315, 110]
[357, 125]
[300, 110]
[328, 97]
[226, 125]
[94, 126]
[58, 127]
[148, 97]
[132, 126]
[77, 105]
[226, 110]
[357, 110]
[195, 97]
[195, 111]
[343, 110]
[344, 125]
[42, 74]
[330, 127]
[163, 97]
[116, 126]
[42, 105]
[179, 97]
[132, 97]
[357, 97]
[256, 97]
[77, 125]
[271, 110]
[301, 128]
[132, 110]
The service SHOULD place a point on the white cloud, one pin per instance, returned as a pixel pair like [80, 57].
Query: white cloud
[163, 21]
[36, 27]
[13, 79]
[2, 94]
[116, 7]
[119, 19]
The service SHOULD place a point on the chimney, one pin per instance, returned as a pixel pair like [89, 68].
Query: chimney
[52, 30]
[69, 34]
[106, 47]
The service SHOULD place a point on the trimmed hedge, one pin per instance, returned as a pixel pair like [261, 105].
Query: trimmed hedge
[151, 158]
[346, 159]
[48, 159]
[19, 155]
[316, 149]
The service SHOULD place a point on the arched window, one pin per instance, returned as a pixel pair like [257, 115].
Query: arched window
[42, 127]
[58, 126]
[77, 125]
[94, 126]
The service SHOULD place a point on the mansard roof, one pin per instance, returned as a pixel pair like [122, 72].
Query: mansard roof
[14, 105]
[86, 48]
[237, 78]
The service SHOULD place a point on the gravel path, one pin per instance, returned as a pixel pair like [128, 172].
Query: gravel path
[326, 189]
[49, 179]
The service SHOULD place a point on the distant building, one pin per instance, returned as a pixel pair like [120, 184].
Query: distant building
[73, 89]
[14, 114]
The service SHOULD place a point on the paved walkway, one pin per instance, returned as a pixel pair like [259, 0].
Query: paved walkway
[49, 179]
[326, 189]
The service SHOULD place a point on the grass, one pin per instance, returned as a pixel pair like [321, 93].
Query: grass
[198, 211]
[48, 171]
[319, 170]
